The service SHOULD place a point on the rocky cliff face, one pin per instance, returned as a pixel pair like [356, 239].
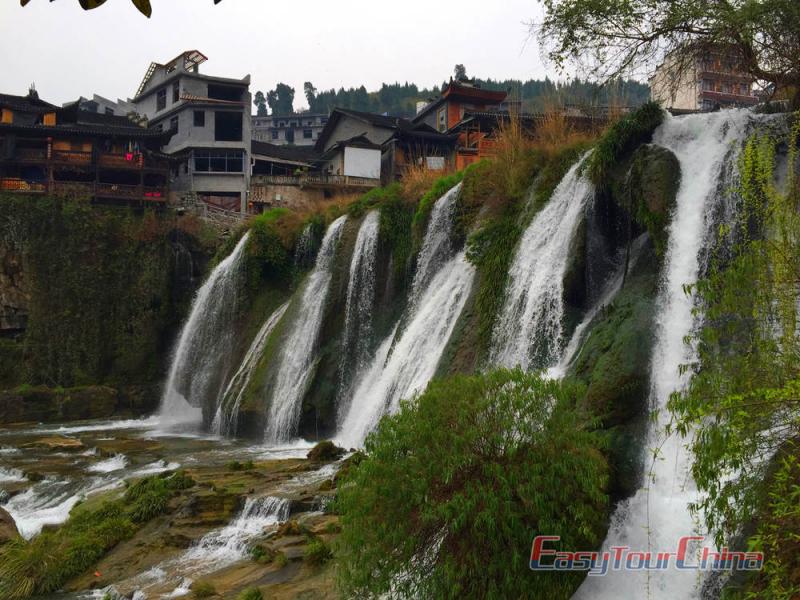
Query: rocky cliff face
[91, 296]
[14, 291]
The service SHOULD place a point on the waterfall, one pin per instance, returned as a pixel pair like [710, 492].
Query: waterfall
[295, 364]
[229, 544]
[227, 414]
[407, 360]
[358, 311]
[529, 327]
[437, 246]
[200, 364]
[658, 515]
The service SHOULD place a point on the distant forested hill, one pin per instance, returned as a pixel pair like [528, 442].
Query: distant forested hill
[399, 99]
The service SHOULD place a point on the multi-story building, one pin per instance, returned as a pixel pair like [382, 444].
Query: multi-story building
[702, 79]
[300, 129]
[45, 149]
[99, 104]
[209, 118]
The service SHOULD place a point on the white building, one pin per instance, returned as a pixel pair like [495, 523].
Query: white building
[300, 129]
[211, 120]
[701, 80]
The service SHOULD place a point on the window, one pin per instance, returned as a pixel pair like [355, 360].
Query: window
[109, 111]
[275, 134]
[176, 92]
[224, 92]
[199, 118]
[308, 134]
[161, 99]
[323, 120]
[228, 126]
[290, 136]
[173, 123]
[441, 119]
[218, 161]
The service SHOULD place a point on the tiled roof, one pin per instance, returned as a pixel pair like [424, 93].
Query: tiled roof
[291, 153]
[25, 103]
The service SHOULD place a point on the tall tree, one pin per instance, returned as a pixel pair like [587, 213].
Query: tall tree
[311, 95]
[261, 103]
[460, 72]
[611, 37]
[281, 100]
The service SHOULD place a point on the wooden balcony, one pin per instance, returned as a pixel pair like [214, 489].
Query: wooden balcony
[31, 155]
[93, 190]
[14, 184]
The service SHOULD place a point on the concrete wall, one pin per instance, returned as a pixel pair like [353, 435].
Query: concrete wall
[362, 162]
[263, 196]
[674, 88]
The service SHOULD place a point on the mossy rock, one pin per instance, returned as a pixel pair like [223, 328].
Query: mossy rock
[325, 451]
[614, 364]
[655, 175]
[90, 402]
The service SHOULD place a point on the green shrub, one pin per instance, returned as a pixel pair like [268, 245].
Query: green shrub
[476, 467]
[250, 594]
[203, 589]
[280, 560]
[235, 465]
[317, 552]
[623, 137]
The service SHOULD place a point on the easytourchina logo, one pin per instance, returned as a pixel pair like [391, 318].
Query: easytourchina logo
[690, 555]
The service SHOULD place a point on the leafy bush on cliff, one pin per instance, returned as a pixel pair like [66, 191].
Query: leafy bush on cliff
[623, 137]
[456, 485]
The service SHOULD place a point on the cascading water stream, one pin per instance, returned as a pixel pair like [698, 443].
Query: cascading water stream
[528, 332]
[199, 367]
[658, 514]
[358, 312]
[437, 247]
[297, 355]
[407, 360]
[227, 414]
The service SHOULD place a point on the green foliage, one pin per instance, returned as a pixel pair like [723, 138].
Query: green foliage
[741, 405]
[267, 249]
[203, 589]
[777, 534]
[609, 37]
[10, 360]
[250, 594]
[43, 564]
[622, 138]
[491, 250]
[483, 462]
[235, 465]
[317, 552]
[555, 167]
[399, 99]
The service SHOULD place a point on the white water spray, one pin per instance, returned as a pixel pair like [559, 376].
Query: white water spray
[407, 360]
[227, 415]
[358, 312]
[528, 332]
[658, 515]
[297, 355]
[198, 372]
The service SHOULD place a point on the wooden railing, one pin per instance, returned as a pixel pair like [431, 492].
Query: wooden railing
[316, 180]
[76, 157]
[31, 154]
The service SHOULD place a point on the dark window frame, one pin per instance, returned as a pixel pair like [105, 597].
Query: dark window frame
[161, 99]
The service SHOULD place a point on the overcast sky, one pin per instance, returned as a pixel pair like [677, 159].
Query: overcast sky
[68, 52]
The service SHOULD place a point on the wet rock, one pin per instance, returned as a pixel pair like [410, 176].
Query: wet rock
[8, 528]
[43, 404]
[57, 444]
[326, 451]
